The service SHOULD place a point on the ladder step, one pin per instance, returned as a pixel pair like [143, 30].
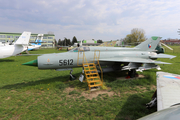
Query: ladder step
[88, 73]
[88, 68]
[93, 77]
[95, 85]
[95, 81]
[91, 70]
[92, 73]
[91, 80]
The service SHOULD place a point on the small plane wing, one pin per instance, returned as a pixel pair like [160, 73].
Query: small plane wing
[28, 54]
[133, 60]
[168, 90]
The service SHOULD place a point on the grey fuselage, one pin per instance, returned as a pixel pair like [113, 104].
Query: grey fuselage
[70, 59]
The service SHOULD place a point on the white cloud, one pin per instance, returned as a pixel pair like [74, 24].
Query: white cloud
[91, 19]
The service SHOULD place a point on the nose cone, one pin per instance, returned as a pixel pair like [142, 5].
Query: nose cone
[31, 63]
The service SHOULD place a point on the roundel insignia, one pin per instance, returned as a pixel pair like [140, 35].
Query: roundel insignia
[48, 60]
[149, 45]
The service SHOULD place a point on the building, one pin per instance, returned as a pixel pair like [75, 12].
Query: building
[109, 43]
[48, 39]
[89, 43]
[171, 42]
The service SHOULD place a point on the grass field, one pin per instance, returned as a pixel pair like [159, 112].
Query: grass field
[32, 94]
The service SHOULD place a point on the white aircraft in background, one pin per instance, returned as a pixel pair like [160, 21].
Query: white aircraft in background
[5, 43]
[19, 46]
[34, 45]
[167, 98]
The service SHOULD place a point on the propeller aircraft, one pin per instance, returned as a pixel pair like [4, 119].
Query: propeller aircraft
[166, 98]
[19, 46]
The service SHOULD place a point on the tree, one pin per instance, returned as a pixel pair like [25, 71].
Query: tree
[68, 42]
[55, 42]
[99, 41]
[137, 35]
[59, 42]
[74, 40]
[65, 42]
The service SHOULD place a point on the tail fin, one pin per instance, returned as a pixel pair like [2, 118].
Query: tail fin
[81, 43]
[150, 44]
[39, 39]
[23, 39]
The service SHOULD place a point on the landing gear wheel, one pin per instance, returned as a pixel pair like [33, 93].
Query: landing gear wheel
[72, 77]
[132, 73]
[153, 101]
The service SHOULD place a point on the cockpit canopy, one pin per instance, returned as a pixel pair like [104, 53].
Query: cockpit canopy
[83, 48]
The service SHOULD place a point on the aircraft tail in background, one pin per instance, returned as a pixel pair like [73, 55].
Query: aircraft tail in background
[38, 40]
[150, 44]
[23, 39]
[37, 43]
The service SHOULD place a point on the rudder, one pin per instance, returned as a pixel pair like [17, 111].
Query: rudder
[150, 44]
[23, 39]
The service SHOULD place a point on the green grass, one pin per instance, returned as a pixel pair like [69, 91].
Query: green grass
[29, 93]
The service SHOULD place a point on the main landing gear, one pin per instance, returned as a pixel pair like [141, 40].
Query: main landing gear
[72, 77]
[153, 101]
[132, 73]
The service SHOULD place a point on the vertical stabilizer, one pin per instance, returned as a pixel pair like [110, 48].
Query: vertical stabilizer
[38, 40]
[23, 39]
[150, 44]
[81, 43]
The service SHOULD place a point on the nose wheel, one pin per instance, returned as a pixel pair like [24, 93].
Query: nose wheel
[72, 77]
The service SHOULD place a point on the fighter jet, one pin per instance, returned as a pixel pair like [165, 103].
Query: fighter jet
[19, 46]
[142, 57]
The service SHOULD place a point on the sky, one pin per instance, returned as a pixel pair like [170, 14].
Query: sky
[91, 19]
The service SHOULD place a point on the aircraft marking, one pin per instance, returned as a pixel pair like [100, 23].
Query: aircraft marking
[154, 38]
[171, 77]
[65, 62]
[149, 45]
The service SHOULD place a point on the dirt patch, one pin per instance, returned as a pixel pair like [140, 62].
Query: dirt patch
[141, 88]
[94, 94]
[91, 94]
[16, 117]
[69, 89]
[28, 92]
[13, 91]
[141, 76]
[153, 87]
[8, 98]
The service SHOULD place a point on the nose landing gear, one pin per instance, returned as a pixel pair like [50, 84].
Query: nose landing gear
[72, 77]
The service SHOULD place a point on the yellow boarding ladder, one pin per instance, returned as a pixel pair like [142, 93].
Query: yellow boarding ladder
[92, 76]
